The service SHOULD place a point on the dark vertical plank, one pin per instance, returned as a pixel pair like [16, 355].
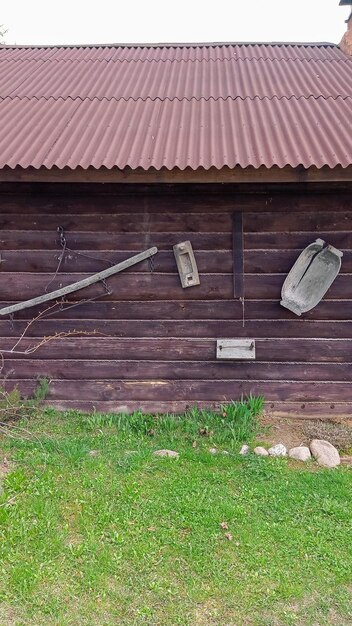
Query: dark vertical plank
[237, 248]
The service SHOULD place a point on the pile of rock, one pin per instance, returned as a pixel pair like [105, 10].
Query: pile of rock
[322, 451]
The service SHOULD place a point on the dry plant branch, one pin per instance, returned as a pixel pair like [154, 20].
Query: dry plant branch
[11, 405]
[61, 335]
[31, 322]
[46, 339]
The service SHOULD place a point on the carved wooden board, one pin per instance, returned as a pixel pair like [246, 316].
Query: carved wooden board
[235, 349]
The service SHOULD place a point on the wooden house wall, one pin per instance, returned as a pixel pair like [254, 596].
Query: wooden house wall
[150, 344]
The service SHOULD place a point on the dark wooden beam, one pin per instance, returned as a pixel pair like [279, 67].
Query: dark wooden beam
[237, 254]
[213, 175]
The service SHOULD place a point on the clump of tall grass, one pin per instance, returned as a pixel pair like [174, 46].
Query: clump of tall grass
[234, 422]
[14, 407]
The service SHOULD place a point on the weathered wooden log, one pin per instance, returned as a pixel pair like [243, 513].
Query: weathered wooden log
[81, 284]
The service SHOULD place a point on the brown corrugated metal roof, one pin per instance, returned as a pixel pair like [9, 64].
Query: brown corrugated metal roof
[202, 79]
[176, 52]
[210, 105]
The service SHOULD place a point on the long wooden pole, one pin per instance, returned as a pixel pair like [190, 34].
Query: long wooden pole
[81, 284]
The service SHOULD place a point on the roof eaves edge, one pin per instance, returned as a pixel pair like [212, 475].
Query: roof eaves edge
[303, 44]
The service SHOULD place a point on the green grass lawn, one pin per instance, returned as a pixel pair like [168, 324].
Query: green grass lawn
[121, 537]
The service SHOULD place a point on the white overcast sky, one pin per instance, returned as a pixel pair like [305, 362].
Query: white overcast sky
[127, 21]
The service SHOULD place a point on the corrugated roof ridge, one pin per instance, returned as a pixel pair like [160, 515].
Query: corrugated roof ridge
[215, 44]
[153, 168]
[168, 99]
[213, 60]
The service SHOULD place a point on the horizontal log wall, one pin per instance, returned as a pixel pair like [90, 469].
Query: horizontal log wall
[147, 343]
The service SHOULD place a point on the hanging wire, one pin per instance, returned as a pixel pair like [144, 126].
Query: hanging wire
[65, 248]
[63, 244]
[243, 313]
[151, 264]
[106, 286]
[11, 320]
[78, 303]
[90, 256]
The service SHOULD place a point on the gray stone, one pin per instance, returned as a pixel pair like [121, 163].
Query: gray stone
[260, 451]
[325, 453]
[300, 453]
[278, 450]
[213, 450]
[167, 453]
[244, 450]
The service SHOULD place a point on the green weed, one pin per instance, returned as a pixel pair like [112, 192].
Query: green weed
[14, 407]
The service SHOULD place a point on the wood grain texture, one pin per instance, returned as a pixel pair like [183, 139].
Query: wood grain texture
[298, 410]
[203, 390]
[238, 255]
[157, 347]
[78, 240]
[281, 222]
[167, 349]
[155, 407]
[296, 240]
[281, 261]
[138, 222]
[79, 369]
[93, 279]
[134, 286]
[208, 261]
[235, 349]
[328, 310]
[269, 286]
[207, 329]
[159, 286]
[108, 241]
[91, 199]
[310, 410]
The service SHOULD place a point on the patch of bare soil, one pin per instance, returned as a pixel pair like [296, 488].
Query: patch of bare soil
[288, 431]
[338, 433]
[8, 615]
[295, 432]
[309, 604]
[205, 615]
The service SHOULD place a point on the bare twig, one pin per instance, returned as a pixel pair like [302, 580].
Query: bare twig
[44, 340]
[62, 335]
[31, 322]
